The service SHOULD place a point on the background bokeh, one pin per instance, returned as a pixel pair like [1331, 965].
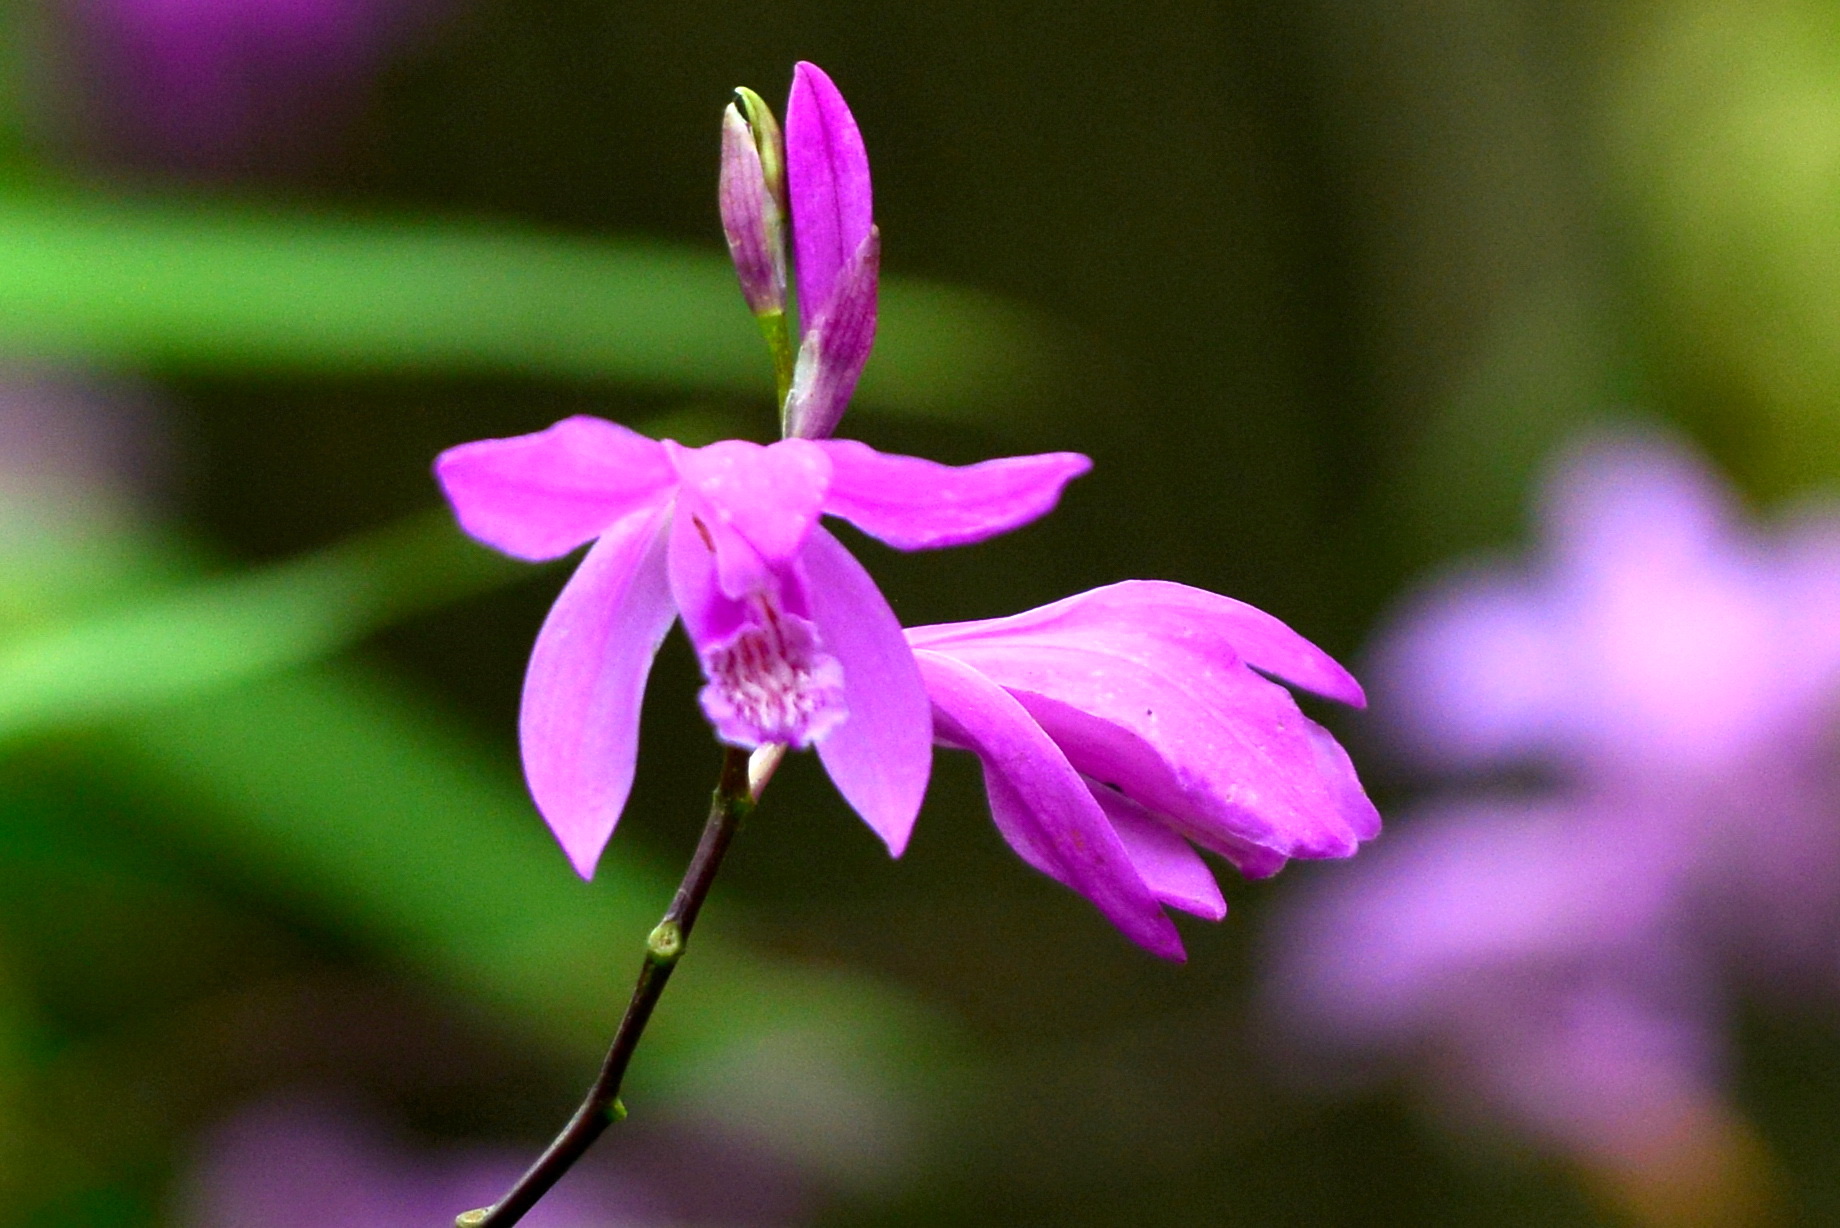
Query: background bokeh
[1323, 286]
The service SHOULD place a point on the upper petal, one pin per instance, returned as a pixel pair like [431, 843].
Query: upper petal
[827, 184]
[1041, 805]
[882, 754]
[539, 496]
[1151, 618]
[756, 504]
[915, 504]
[579, 725]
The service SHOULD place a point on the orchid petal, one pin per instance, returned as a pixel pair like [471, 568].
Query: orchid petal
[1041, 805]
[710, 615]
[1138, 616]
[579, 724]
[915, 504]
[756, 504]
[539, 496]
[827, 179]
[1223, 753]
[768, 678]
[836, 347]
[1168, 864]
[881, 755]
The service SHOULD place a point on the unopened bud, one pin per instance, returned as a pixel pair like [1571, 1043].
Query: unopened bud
[752, 190]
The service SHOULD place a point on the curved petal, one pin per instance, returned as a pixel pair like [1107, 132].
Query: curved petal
[1222, 752]
[540, 496]
[1157, 619]
[836, 347]
[579, 724]
[882, 754]
[1041, 805]
[827, 183]
[756, 503]
[1167, 863]
[915, 504]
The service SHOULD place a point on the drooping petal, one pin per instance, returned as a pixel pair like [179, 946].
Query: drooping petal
[827, 182]
[882, 754]
[1222, 752]
[1041, 805]
[539, 496]
[1143, 686]
[756, 504]
[1168, 864]
[836, 347]
[1152, 617]
[579, 724]
[915, 504]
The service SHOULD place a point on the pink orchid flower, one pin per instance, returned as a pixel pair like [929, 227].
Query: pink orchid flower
[1120, 724]
[797, 644]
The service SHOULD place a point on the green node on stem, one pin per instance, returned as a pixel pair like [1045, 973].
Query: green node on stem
[665, 943]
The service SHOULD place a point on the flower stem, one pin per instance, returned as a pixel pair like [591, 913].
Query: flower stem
[733, 801]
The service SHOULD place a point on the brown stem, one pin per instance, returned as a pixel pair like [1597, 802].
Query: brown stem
[732, 802]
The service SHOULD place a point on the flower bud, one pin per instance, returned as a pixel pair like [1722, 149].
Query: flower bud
[751, 192]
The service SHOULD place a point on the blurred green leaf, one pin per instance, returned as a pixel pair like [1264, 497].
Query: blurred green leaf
[202, 287]
[218, 632]
[340, 791]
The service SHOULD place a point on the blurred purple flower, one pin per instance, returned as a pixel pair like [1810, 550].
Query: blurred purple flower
[798, 645]
[1118, 725]
[216, 85]
[1656, 636]
[1563, 964]
[308, 1164]
[1534, 955]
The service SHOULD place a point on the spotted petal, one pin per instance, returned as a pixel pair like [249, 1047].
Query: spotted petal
[756, 504]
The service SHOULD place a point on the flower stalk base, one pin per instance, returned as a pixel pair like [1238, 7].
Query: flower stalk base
[733, 802]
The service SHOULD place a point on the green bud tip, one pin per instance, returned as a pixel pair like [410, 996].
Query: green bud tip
[472, 1219]
[767, 140]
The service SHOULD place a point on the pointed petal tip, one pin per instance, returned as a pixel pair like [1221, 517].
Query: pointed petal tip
[1164, 943]
[584, 858]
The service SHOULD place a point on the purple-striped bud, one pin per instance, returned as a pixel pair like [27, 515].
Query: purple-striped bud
[836, 248]
[752, 195]
[836, 347]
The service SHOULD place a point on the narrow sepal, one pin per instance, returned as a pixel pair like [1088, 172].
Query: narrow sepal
[836, 348]
[827, 181]
[579, 723]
